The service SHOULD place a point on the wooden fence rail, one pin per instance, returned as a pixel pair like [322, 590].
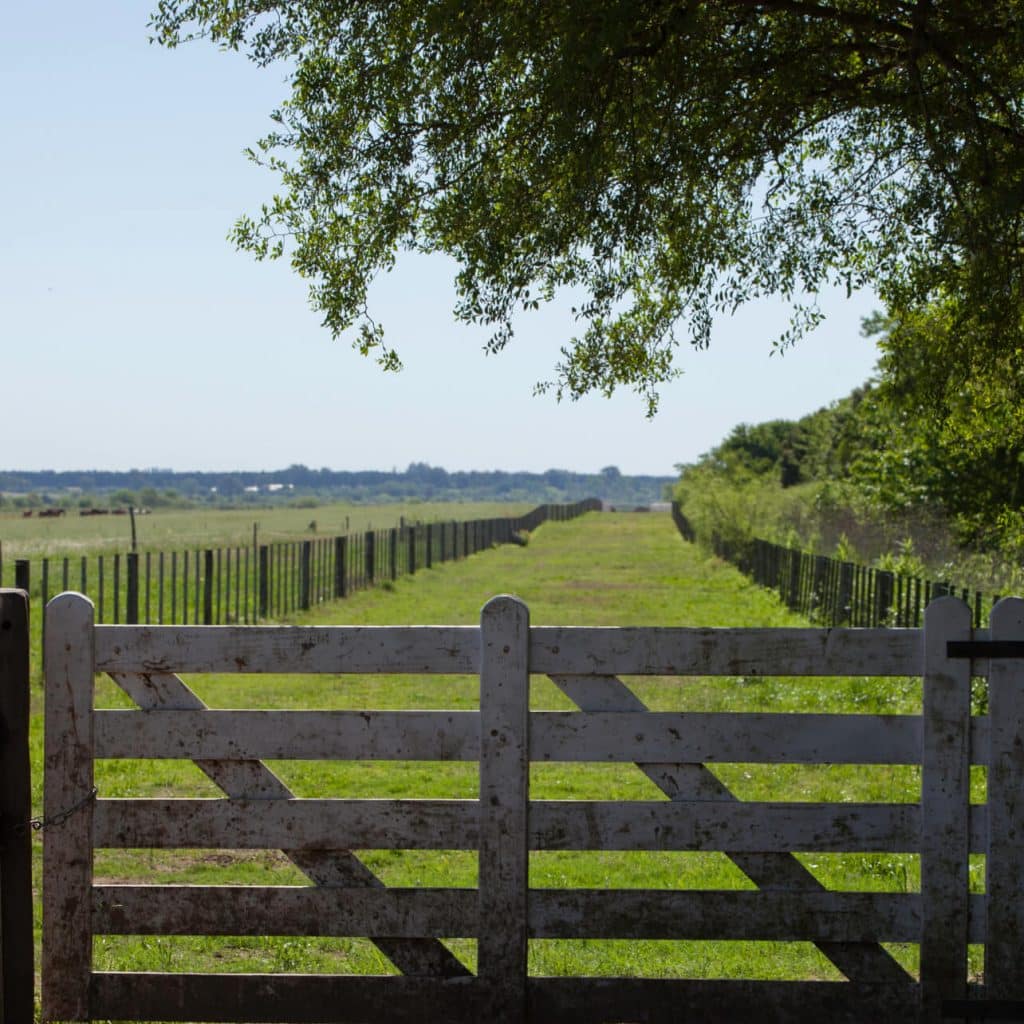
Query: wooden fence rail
[246, 584]
[502, 826]
[834, 592]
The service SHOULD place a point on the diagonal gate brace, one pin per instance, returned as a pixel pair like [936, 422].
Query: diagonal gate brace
[253, 780]
[858, 961]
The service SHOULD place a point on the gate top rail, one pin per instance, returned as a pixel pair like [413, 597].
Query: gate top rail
[289, 649]
[680, 651]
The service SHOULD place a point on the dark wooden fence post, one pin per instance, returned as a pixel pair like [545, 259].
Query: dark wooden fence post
[305, 574]
[412, 550]
[22, 573]
[370, 552]
[393, 553]
[208, 587]
[44, 590]
[117, 589]
[818, 589]
[217, 587]
[264, 581]
[428, 560]
[884, 587]
[131, 612]
[793, 596]
[16, 967]
[844, 609]
[340, 566]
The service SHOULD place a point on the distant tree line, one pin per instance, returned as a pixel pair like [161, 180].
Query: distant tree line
[300, 484]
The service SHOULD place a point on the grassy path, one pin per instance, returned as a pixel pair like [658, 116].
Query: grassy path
[604, 569]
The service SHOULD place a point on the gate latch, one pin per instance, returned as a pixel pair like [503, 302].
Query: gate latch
[985, 649]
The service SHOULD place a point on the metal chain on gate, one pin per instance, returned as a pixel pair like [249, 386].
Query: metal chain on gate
[55, 820]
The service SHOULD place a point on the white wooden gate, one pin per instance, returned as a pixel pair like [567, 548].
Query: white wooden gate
[504, 824]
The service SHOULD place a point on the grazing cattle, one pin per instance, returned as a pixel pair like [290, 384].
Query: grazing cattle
[94, 512]
[50, 513]
[27, 514]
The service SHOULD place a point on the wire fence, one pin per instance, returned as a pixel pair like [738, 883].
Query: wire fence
[837, 593]
[248, 584]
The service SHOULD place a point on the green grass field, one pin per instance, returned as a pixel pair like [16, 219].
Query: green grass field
[168, 529]
[603, 569]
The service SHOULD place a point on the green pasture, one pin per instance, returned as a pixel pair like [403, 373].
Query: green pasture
[602, 569]
[73, 535]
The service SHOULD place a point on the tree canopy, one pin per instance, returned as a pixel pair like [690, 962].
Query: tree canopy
[920, 447]
[663, 161]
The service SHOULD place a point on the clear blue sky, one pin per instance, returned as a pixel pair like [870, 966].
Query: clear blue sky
[133, 335]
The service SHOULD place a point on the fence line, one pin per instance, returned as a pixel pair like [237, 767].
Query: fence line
[834, 592]
[243, 584]
[503, 824]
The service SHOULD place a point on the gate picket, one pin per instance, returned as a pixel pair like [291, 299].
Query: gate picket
[68, 756]
[1004, 864]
